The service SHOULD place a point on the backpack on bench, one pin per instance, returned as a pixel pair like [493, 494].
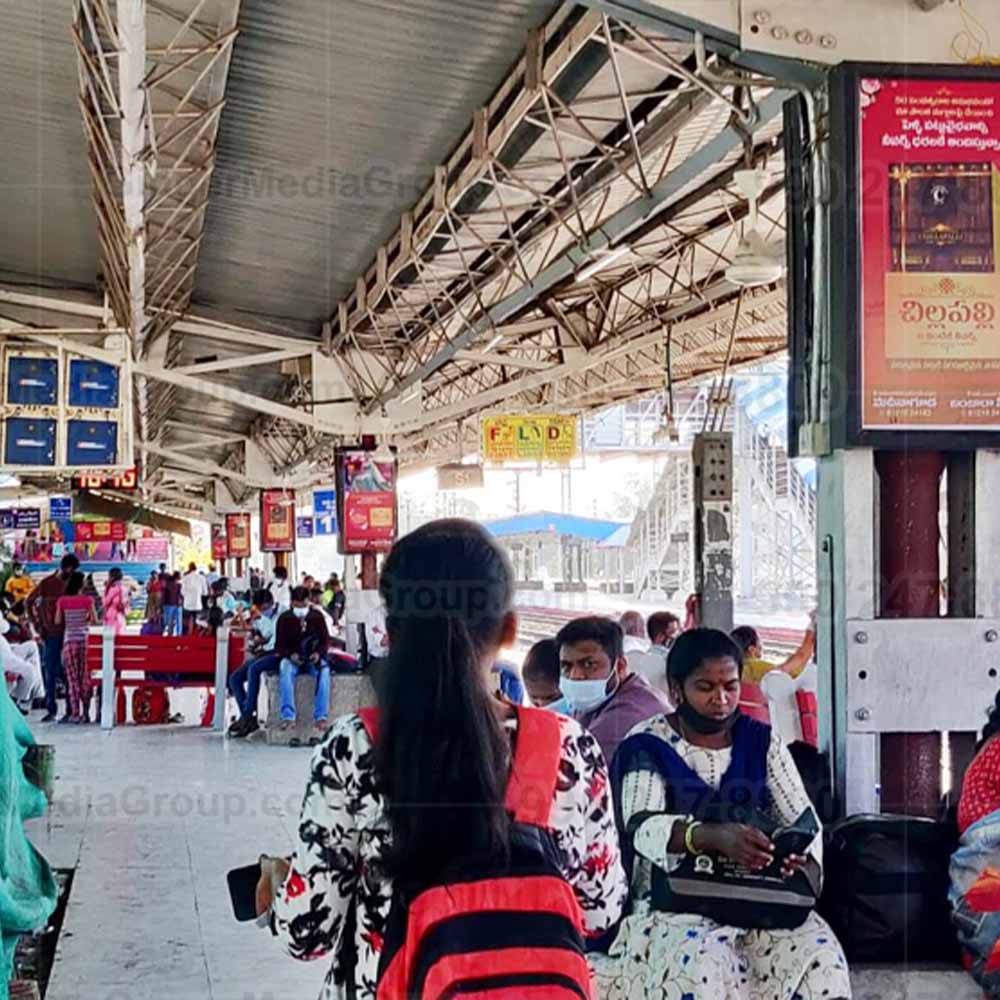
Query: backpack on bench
[490, 932]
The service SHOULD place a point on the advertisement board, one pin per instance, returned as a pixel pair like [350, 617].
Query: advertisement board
[100, 531]
[277, 521]
[238, 535]
[533, 438]
[923, 285]
[220, 547]
[366, 490]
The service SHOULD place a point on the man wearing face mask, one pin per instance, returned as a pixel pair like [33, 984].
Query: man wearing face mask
[604, 696]
[280, 589]
[302, 642]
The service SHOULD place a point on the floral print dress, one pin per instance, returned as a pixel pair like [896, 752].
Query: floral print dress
[343, 833]
[677, 956]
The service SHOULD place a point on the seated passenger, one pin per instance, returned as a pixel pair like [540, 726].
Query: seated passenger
[245, 682]
[432, 800]
[975, 882]
[605, 697]
[754, 664]
[22, 660]
[301, 642]
[634, 629]
[675, 801]
[540, 671]
[663, 628]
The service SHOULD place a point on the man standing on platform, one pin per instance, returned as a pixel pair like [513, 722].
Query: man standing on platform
[41, 608]
[194, 591]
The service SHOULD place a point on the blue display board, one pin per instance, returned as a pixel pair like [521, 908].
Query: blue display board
[32, 381]
[325, 509]
[304, 527]
[60, 508]
[29, 442]
[93, 384]
[91, 443]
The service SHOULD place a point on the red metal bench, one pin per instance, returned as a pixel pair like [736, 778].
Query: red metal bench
[202, 662]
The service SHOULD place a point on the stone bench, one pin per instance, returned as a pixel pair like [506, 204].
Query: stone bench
[348, 693]
[913, 982]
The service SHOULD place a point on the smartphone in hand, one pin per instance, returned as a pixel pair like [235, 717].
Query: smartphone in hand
[243, 891]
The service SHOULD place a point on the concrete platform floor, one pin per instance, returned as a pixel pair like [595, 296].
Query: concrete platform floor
[152, 818]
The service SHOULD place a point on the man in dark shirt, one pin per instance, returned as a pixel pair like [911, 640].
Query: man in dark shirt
[172, 624]
[301, 641]
[41, 607]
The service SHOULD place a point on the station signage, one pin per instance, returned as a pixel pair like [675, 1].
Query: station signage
[124, 482]
[60, 508]
[533, 438]
[325, 511]
[21, 518]
[928, 213]
[304, 527]
[460, 477]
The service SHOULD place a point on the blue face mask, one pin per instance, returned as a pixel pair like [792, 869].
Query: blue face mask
[560, 706]
[586, 696]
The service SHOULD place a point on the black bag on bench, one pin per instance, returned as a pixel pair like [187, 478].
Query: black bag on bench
[886, 888]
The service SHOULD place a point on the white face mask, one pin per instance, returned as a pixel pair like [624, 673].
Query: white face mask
[300, 612]
[587, 695]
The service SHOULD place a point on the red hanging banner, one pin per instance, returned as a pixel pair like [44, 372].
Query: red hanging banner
[366, 497]
[277, 521]
[238, 536]
[220, 548]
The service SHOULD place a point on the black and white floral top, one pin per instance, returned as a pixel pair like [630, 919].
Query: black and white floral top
[343, 833]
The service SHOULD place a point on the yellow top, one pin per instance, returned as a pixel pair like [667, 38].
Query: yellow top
[19, 587]
[754, 670]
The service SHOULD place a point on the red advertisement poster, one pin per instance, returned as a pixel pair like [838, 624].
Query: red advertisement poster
[277, 521]
[100, 531]
[220, 550]
[930, 244]
[367, 491]
[238, 535]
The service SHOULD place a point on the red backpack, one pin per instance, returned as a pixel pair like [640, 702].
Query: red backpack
[489, 933]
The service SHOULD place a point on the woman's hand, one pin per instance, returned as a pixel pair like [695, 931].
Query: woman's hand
[793, 864]
[273, 872]
[746, 845]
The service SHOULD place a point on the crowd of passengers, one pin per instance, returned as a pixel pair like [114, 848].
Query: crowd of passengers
[389, 809]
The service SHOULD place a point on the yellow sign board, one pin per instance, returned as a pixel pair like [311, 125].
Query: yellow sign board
[542, 438]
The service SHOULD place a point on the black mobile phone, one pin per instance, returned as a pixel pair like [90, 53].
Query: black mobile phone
[243, 891]
[792, 842]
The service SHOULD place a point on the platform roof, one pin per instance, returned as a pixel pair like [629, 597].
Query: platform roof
[315, 220]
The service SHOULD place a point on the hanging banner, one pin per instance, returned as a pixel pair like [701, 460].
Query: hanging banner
[220, 547]
[238, 536]
[304, 527]
[277, 520]
[60, 508]
[367, 493]
[541, 438]
[100, 531]
[930, 244]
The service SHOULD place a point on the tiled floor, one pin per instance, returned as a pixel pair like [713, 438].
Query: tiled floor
[152, 819]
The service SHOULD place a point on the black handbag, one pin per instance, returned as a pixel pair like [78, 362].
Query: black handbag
[886, 888]
[726, 892]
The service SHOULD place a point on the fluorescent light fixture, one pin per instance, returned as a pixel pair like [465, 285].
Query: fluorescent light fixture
[493, 343]
[602, 259]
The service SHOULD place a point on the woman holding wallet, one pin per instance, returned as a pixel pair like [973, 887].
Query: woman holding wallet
[692, 784]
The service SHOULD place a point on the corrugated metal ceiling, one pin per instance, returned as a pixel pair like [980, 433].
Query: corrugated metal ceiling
[48, 222]
[320, 151]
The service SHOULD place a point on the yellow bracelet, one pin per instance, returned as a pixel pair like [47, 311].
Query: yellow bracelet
[689, 838]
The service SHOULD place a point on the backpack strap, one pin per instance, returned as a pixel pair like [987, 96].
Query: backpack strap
[534, 773]
[369, 719]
